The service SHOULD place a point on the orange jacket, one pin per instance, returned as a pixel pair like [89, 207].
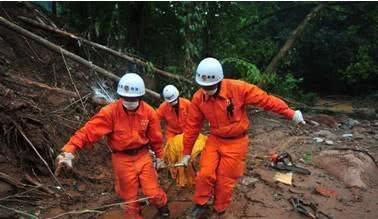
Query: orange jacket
[124, 130]
[175, 123]
[232, 94]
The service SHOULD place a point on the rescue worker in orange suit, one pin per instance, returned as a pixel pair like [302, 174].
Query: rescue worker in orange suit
[174, 111]
[132, 128]
[223, 103]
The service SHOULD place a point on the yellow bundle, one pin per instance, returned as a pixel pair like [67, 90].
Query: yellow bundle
[173, 153]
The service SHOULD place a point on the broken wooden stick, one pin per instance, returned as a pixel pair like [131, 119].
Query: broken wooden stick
[74, 85]
[39, 185]
[19, 212]
[19, 194]
[34, 8]
[25, 81]
[97, 209]
[104, 48]
[19, 128]
[72, 56]
[10, 180]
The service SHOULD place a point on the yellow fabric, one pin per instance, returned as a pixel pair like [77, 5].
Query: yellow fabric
[173, 153]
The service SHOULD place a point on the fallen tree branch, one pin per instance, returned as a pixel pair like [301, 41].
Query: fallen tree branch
[76, 212]
[39, 185]
[96, 210]
[74, 102]
[21, 193]
[19, 212]
[32, 7]
[23, 81]
[74, 85]
[104, 48]
[6, 178]
[70, 55]
[36, 151]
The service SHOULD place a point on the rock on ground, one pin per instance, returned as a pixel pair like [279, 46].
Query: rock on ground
[355, 169]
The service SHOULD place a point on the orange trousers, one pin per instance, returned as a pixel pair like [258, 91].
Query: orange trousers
[221, 165]
[132, 171]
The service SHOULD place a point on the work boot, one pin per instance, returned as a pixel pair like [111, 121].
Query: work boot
[164, 211]
[197, 212]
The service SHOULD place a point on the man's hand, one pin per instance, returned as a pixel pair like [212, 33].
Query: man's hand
[298, 118]
[185, 160]
[160, 164]
[63, 161]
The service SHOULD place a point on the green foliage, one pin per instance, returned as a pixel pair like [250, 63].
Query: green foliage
[249, 72]
[362, 67]
[149, 69]
[173, 69]
[191, 19]
[287, 85]
[336, 53]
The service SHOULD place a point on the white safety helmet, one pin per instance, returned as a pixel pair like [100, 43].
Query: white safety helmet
[131, 85]
[170, 93]
[209, 72]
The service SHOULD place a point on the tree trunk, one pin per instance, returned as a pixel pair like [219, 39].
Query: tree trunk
[136, 24]
[27, 82]
[62, 51]
[53, 7]
[106, 49]
[273, 65]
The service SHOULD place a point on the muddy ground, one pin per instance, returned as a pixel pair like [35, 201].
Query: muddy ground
[257, 195]
[47, 118]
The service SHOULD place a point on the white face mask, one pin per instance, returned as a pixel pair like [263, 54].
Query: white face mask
[173, 103]
[130, 105]
[210, 92]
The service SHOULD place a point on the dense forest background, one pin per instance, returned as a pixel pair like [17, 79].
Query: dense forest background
[326, 48]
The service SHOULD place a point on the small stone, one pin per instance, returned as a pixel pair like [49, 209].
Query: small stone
[347, 135]
[326, 134]
[318, 140]
[350, 123]
[314, 123]
[329, 142]
[359, 137]
[248, 180]
[81, 187]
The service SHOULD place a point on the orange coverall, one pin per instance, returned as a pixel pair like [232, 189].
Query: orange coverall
[222, 160]
[175, 122]
[127, 130]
